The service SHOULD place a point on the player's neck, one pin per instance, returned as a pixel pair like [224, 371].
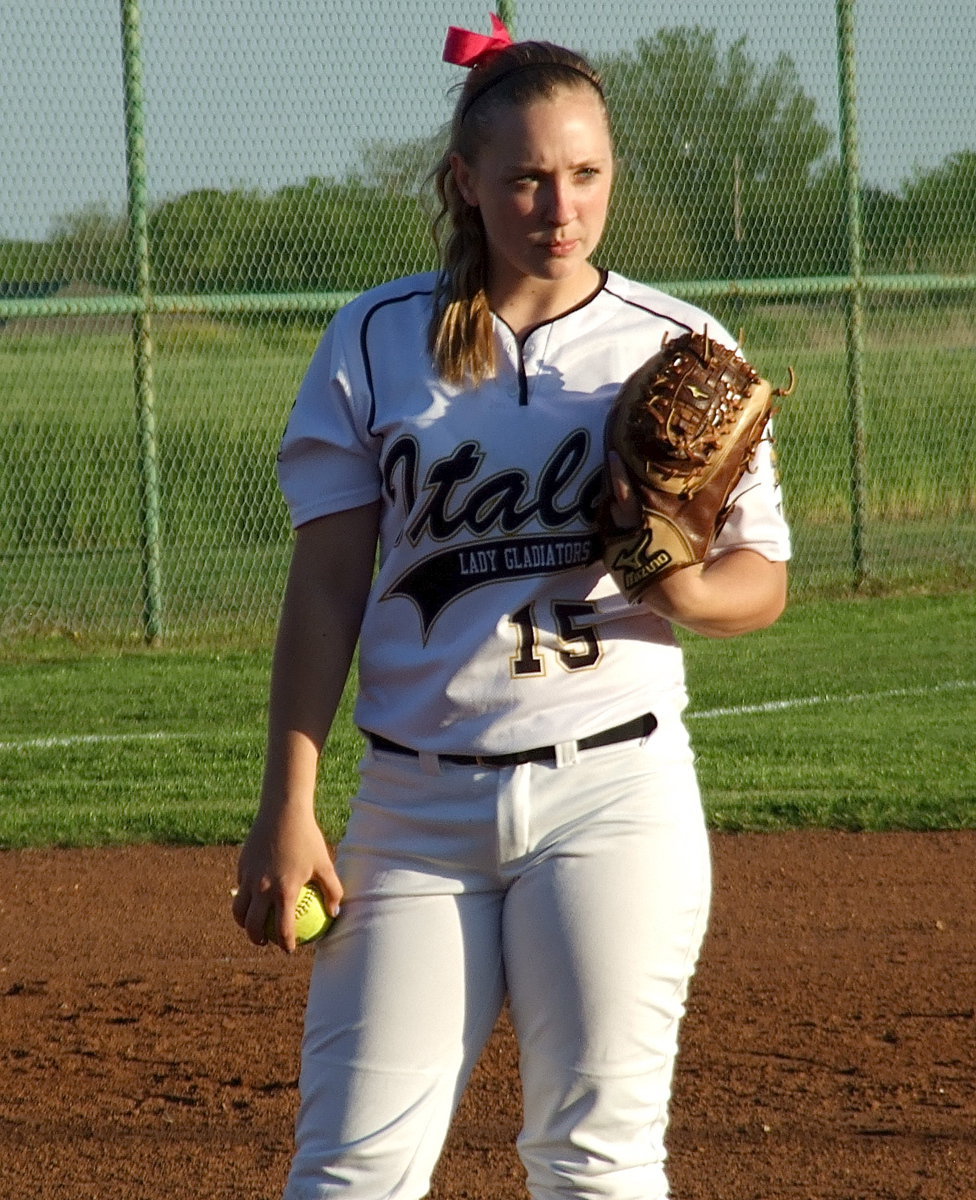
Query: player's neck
[527, 303]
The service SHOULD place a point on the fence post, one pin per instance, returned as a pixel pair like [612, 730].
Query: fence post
[142, 346]
[854, 294]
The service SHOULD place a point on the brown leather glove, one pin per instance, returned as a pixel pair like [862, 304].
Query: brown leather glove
[685, 426]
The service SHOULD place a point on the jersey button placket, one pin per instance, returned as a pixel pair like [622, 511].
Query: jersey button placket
[534, 360]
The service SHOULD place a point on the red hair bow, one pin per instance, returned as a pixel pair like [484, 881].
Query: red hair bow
[467, 49]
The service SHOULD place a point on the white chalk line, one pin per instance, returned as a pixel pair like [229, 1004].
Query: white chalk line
[742, 710]
[99, 739]
[735, 710]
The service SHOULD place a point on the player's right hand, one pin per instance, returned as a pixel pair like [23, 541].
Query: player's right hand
[281, 854]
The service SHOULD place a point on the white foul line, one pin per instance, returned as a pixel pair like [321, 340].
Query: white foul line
[97, 739]
[741, 710]
[736, 710]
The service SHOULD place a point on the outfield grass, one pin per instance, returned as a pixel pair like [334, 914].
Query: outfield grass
[870, 708]
[877, 732]
[224, 391]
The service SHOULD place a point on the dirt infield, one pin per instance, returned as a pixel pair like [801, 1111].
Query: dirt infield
[829, 1051]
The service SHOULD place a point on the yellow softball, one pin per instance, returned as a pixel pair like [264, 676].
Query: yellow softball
[311, 919]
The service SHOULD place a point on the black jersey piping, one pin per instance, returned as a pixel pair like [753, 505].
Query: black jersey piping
[523, 382]
[523, 379]
[651, 311]
[584, 303]
[364, 349]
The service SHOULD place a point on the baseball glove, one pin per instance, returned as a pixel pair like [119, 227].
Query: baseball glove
[685, 426]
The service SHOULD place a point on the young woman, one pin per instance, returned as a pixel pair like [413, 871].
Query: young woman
[528, 822]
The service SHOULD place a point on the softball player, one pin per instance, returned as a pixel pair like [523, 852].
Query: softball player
[528, 822]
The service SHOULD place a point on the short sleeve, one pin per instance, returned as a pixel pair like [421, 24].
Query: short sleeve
[328, 460]
[756, 521]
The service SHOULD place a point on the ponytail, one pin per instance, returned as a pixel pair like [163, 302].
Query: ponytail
[462, 334]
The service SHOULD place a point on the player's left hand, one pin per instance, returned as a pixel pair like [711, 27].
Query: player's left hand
[684, 427]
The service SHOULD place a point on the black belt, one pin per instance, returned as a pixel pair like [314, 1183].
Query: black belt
[638, 728]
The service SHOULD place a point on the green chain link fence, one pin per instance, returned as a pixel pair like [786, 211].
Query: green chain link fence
[190, 190]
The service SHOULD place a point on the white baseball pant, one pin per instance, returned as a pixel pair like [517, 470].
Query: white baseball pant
[581, 891]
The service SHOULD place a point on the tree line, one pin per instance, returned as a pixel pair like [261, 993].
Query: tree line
[724, 172]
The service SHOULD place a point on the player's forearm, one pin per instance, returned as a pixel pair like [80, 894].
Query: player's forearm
[305, 694]
[737, 593]
[312, 657]
[321, 615]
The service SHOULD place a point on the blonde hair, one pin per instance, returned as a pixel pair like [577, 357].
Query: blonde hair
[461, 333]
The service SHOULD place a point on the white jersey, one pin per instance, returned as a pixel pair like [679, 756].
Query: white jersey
[492, 625]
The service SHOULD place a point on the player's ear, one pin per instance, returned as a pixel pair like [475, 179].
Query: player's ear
[463, 174]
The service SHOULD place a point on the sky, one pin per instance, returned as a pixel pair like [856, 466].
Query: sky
[262, 93]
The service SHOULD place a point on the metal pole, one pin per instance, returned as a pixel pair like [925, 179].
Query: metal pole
[738, 233]
[506, 10]
[854, 296]
[138, 206]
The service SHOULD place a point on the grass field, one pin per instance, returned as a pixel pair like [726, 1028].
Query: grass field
[847, 714]
[855, 713]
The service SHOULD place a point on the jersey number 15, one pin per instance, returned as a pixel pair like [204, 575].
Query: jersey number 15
[578, 646]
